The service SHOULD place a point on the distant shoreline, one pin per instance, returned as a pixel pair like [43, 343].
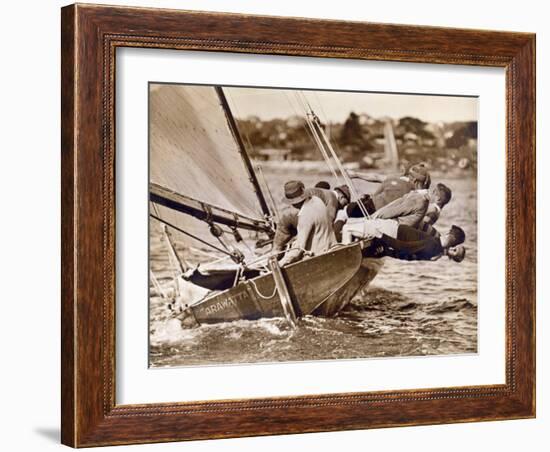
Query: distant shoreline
[319, 167]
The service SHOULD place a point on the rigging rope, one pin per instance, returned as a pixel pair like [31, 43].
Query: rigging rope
[346, 177]
[157, 285]
[310, 132]
[333, 142]
[222, 243]
[261, 295]
[317, 126]
[320, 145]
[204, 242]
[316, 138]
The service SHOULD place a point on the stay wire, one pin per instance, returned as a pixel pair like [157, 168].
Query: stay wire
[347, 179]
[204, 242]
[309, 131]
[304, 104]
[343, 171]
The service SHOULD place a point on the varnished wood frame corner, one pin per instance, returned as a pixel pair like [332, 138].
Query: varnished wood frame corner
[90, 36]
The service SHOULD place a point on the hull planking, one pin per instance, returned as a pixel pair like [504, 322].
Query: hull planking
[322, 286]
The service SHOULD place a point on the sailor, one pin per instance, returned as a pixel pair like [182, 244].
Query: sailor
[344, 195]
[287, 224]
[417, 177]
[413, 208]
[428, 228]
[432, 215]
[390, 238]
[413, 244]
[323, 184]
[334, 199]
[287, 228]
[315, 233]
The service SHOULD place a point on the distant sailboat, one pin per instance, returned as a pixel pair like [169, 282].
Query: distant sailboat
[390, 145]
[203, 185]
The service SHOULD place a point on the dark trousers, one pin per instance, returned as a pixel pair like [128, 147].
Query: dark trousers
[354, 211]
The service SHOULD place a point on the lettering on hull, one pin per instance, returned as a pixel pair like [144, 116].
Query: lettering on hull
[231, 303]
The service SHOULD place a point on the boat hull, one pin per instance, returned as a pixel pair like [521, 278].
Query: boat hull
[322, 286]
[340, 298]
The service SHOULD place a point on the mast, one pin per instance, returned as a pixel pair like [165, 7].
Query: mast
[242, 150]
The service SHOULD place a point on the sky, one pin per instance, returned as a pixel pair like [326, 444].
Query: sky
[335, 106]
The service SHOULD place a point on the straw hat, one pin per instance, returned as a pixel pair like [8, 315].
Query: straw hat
[294, 192]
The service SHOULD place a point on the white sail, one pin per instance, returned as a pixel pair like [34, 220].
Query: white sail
[194, 153]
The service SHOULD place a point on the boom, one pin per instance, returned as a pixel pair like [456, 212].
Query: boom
[204, 211]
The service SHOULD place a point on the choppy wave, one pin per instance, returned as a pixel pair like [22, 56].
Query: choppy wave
[377, 323]
[411, 309]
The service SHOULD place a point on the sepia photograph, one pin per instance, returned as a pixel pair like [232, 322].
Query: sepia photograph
[301, 225]
[275, 224]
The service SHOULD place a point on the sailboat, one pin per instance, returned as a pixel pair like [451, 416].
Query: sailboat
[204, 188]
[390, 146]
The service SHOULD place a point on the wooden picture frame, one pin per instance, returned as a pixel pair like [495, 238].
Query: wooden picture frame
[90, 36]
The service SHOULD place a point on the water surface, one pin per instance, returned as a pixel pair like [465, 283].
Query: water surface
[410, 309]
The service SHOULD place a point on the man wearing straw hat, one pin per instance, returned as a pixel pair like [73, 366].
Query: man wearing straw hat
[315, 233]
[287, 223]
